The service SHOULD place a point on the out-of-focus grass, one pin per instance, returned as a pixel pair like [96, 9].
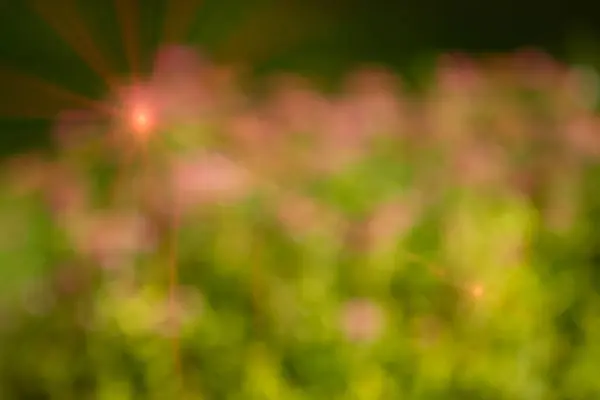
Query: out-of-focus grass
[364, 245]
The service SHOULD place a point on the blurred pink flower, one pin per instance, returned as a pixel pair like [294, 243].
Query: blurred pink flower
[112, 239]
[180, 84]
[381, 113]
[343, 138]
[478, 164]
[302, 215]
[345, 123]
[257, 141]
[296, 107]
[583, 136]
[448, 114]
[174, 62]
[457, 73]
[65, 192]
[208, 178]
[371, 79]
[376, 94]
[251, 130]
[362, 320]
[391, 220]
[510, 123]
[536, 69]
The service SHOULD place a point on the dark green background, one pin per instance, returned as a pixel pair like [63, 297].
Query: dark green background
[329, 38]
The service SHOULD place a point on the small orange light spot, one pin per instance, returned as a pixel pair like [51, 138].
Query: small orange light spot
[477, 291]
[141, 120]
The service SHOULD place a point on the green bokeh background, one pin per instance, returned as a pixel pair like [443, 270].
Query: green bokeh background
[547, 325]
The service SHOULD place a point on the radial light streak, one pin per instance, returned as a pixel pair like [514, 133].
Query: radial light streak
[179, 16]
[64, 17]
[27, 96]
[268, 30]
[128, 17]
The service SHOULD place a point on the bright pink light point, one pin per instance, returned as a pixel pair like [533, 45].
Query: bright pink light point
[139, 109]
[141, 120]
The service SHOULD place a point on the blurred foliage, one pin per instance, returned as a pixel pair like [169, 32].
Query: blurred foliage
[372, 244]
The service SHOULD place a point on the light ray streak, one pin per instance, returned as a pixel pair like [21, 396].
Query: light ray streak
[179, 17]
[266, 31]
[65, 19]
[129, 21]
[28, 96]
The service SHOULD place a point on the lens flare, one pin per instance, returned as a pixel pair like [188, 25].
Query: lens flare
[139, 113]
[141, 120]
